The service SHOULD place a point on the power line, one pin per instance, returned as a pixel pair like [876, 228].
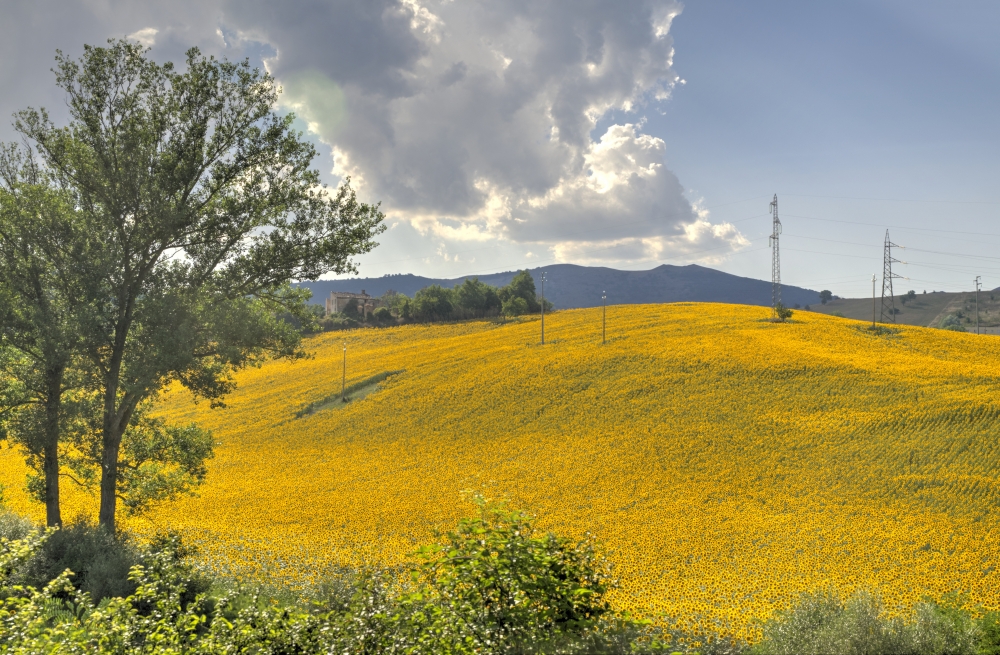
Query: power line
[946, 202]
[894, 227]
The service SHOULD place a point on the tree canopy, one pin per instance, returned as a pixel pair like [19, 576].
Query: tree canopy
[196, 206]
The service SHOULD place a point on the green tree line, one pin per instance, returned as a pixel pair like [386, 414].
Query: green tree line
[470, 299]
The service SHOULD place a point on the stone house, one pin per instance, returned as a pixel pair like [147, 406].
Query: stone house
[339, 299]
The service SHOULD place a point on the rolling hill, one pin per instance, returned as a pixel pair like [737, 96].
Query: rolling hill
[927, 309]
[571, 286]
[727, 463]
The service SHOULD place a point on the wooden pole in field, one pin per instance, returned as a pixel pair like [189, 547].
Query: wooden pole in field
[543, 309]
[873, 301]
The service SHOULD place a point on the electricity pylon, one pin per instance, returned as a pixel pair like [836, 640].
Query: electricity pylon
[888, 303]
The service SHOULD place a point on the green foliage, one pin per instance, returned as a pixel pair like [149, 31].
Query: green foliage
[515, 307]
[158, 462]
[494, 585]
[338, 322]
[14, 526]
[305, 318]
[477, 299]
[953, 322]
[40, 237]
[491, 586]
[989, 627]
[470, 299]
[100, 561]
[783, 313]
[522, 286]
[433, 303]
[821, 623]
[194, 206]
[351, 309]
[825, 296]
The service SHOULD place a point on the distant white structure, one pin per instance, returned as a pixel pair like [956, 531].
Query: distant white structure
[338, 301]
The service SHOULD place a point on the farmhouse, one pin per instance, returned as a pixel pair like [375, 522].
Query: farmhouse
[338, 301]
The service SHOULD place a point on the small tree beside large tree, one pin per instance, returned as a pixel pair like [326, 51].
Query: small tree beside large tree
[200, 207]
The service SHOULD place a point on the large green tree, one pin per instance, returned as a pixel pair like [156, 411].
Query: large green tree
[203, 205]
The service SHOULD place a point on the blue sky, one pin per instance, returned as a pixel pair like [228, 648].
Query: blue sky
[861, 100]
[501, 134]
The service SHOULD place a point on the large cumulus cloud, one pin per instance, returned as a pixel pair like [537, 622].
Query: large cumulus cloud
[473, 121]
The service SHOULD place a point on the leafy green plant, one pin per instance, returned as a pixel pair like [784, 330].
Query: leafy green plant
[821, 623]
[496, 585]
[493, 585]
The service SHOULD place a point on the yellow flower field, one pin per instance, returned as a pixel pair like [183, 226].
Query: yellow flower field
[726, 462]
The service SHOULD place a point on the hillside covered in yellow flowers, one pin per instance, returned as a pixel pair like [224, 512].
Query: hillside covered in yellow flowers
[726, 462]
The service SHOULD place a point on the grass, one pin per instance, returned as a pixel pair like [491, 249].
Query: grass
[354, 391]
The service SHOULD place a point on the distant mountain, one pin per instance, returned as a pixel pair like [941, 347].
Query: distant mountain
[568, 286]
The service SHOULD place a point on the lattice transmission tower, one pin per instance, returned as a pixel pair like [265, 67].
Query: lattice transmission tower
[888, 303]
[775, 260]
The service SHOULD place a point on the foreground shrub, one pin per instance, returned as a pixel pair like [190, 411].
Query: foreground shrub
[491, 586]
[822, 624]
[494, 585]
[100, 561]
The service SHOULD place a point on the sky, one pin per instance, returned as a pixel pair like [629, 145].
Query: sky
[505, 134]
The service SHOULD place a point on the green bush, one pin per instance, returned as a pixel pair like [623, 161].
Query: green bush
[515, 306]
[100, 562]
[821, 624]
[433, 303]
[382, 315]
[337, 322]
[14, 526]
[989, 628]
[493, 585]
[953, 322]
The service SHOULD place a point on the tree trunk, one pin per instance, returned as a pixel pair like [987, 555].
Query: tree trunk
[50, 448]
[113, 426]
[109, 480]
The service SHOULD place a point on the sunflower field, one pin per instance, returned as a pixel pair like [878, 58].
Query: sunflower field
[727, 463]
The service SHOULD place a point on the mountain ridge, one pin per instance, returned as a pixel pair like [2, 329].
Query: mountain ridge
[571, 286]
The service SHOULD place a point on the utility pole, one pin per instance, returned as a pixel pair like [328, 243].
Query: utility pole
[873, 300]
[775, 260]
[888, 303]
[978, 285]
[543, 308]
[343, 381]
[604, 317]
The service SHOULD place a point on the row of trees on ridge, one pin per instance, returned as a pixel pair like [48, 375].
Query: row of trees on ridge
[469, 300]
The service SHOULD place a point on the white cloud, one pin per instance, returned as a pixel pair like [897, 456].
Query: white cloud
[145, 36]
[476, 122]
